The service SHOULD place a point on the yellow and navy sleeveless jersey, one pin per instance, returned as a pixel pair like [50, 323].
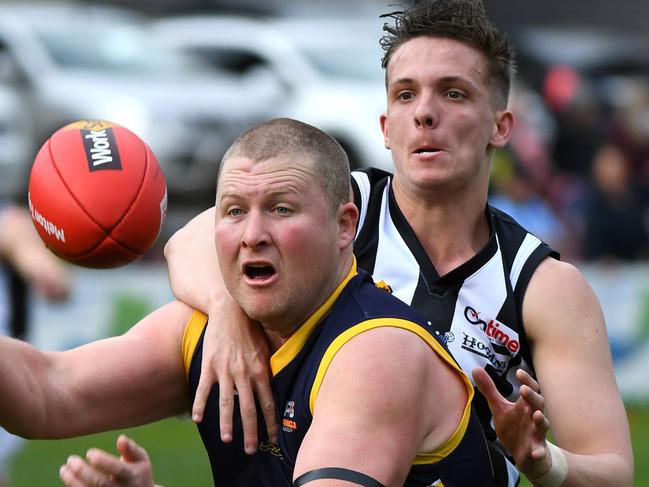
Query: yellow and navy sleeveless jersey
[476, 308]
[298, 368]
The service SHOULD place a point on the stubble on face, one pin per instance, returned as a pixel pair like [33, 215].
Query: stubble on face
[293, 236]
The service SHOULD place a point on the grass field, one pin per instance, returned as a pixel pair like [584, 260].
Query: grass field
[179, 459]
[174, 447]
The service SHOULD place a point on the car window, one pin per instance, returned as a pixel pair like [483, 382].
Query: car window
[356, 62]
[232, 60]
[119, 49]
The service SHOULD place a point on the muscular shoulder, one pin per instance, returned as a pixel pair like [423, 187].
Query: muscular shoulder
[558, 292]
[397, 372]
[166, 323]
[556, 279]
[401, 354]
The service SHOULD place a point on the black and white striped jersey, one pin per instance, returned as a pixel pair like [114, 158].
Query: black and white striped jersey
[477, 307]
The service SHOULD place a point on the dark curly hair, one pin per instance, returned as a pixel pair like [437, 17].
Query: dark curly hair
[462, 20]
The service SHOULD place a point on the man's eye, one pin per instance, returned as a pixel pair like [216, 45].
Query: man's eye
[282, 210]
[455, 95]
[405, 95]
[235, 212]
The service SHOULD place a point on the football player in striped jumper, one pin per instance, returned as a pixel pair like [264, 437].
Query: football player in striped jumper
[506, 306]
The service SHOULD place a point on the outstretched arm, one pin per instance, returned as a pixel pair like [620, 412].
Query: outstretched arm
[235, 351]
[118, 382]
[572, 359]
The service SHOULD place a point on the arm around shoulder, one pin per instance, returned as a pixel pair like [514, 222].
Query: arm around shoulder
[570, 350]
[192, 263]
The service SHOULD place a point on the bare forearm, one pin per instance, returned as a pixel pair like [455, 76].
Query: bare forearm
[571, 356]
[603, 470]
[194, 272]
[23, 397]
[113, 383]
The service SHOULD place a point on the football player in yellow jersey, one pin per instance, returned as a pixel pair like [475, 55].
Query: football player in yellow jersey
[372, 397]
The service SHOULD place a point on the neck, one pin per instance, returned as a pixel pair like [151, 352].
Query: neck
[451, 228]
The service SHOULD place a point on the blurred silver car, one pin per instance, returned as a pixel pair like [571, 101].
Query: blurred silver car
[69, 62]
[322, 71]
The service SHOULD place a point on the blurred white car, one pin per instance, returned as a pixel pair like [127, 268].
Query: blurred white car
[325, 72]
[70, 62]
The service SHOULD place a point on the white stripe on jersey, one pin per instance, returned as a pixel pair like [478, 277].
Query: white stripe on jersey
[395, 263]
[528, 246]
[363, 183]
[512, 472]
[485, 292]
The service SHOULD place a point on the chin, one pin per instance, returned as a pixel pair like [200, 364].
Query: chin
[264, 313]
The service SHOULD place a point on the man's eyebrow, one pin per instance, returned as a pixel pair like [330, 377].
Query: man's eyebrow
[456, 79]
[227, 194]
[444, 79]
[401, 81]
[275, 193]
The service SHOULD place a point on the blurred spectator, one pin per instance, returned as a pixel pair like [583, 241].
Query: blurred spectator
[614, 210]
[630, 124]
[580, 124]
[533, 133]
[24, 261]
[513, 193]
[523, 176]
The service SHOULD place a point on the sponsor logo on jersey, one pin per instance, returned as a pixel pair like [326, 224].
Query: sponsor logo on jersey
[49, 227]
[101, 149]
[288, 425]
[274, 450]
[504, 339]
[473, 345]
[446, 338]
[289, 410]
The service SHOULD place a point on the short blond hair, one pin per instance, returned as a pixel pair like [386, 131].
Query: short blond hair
[287, 137]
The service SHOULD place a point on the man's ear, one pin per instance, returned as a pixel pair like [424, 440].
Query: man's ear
[502, 130]
[383, 121]
[347, 221]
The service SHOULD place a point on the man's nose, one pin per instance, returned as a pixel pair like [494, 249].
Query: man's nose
[255, 233]
[426, 112]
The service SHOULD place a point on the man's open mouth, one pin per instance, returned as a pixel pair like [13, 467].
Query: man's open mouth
[259, 271]
[426, 150]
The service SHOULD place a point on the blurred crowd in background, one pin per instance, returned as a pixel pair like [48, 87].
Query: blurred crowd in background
[576, 172]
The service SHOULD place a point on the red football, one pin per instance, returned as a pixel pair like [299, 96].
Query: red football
[97, 195]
